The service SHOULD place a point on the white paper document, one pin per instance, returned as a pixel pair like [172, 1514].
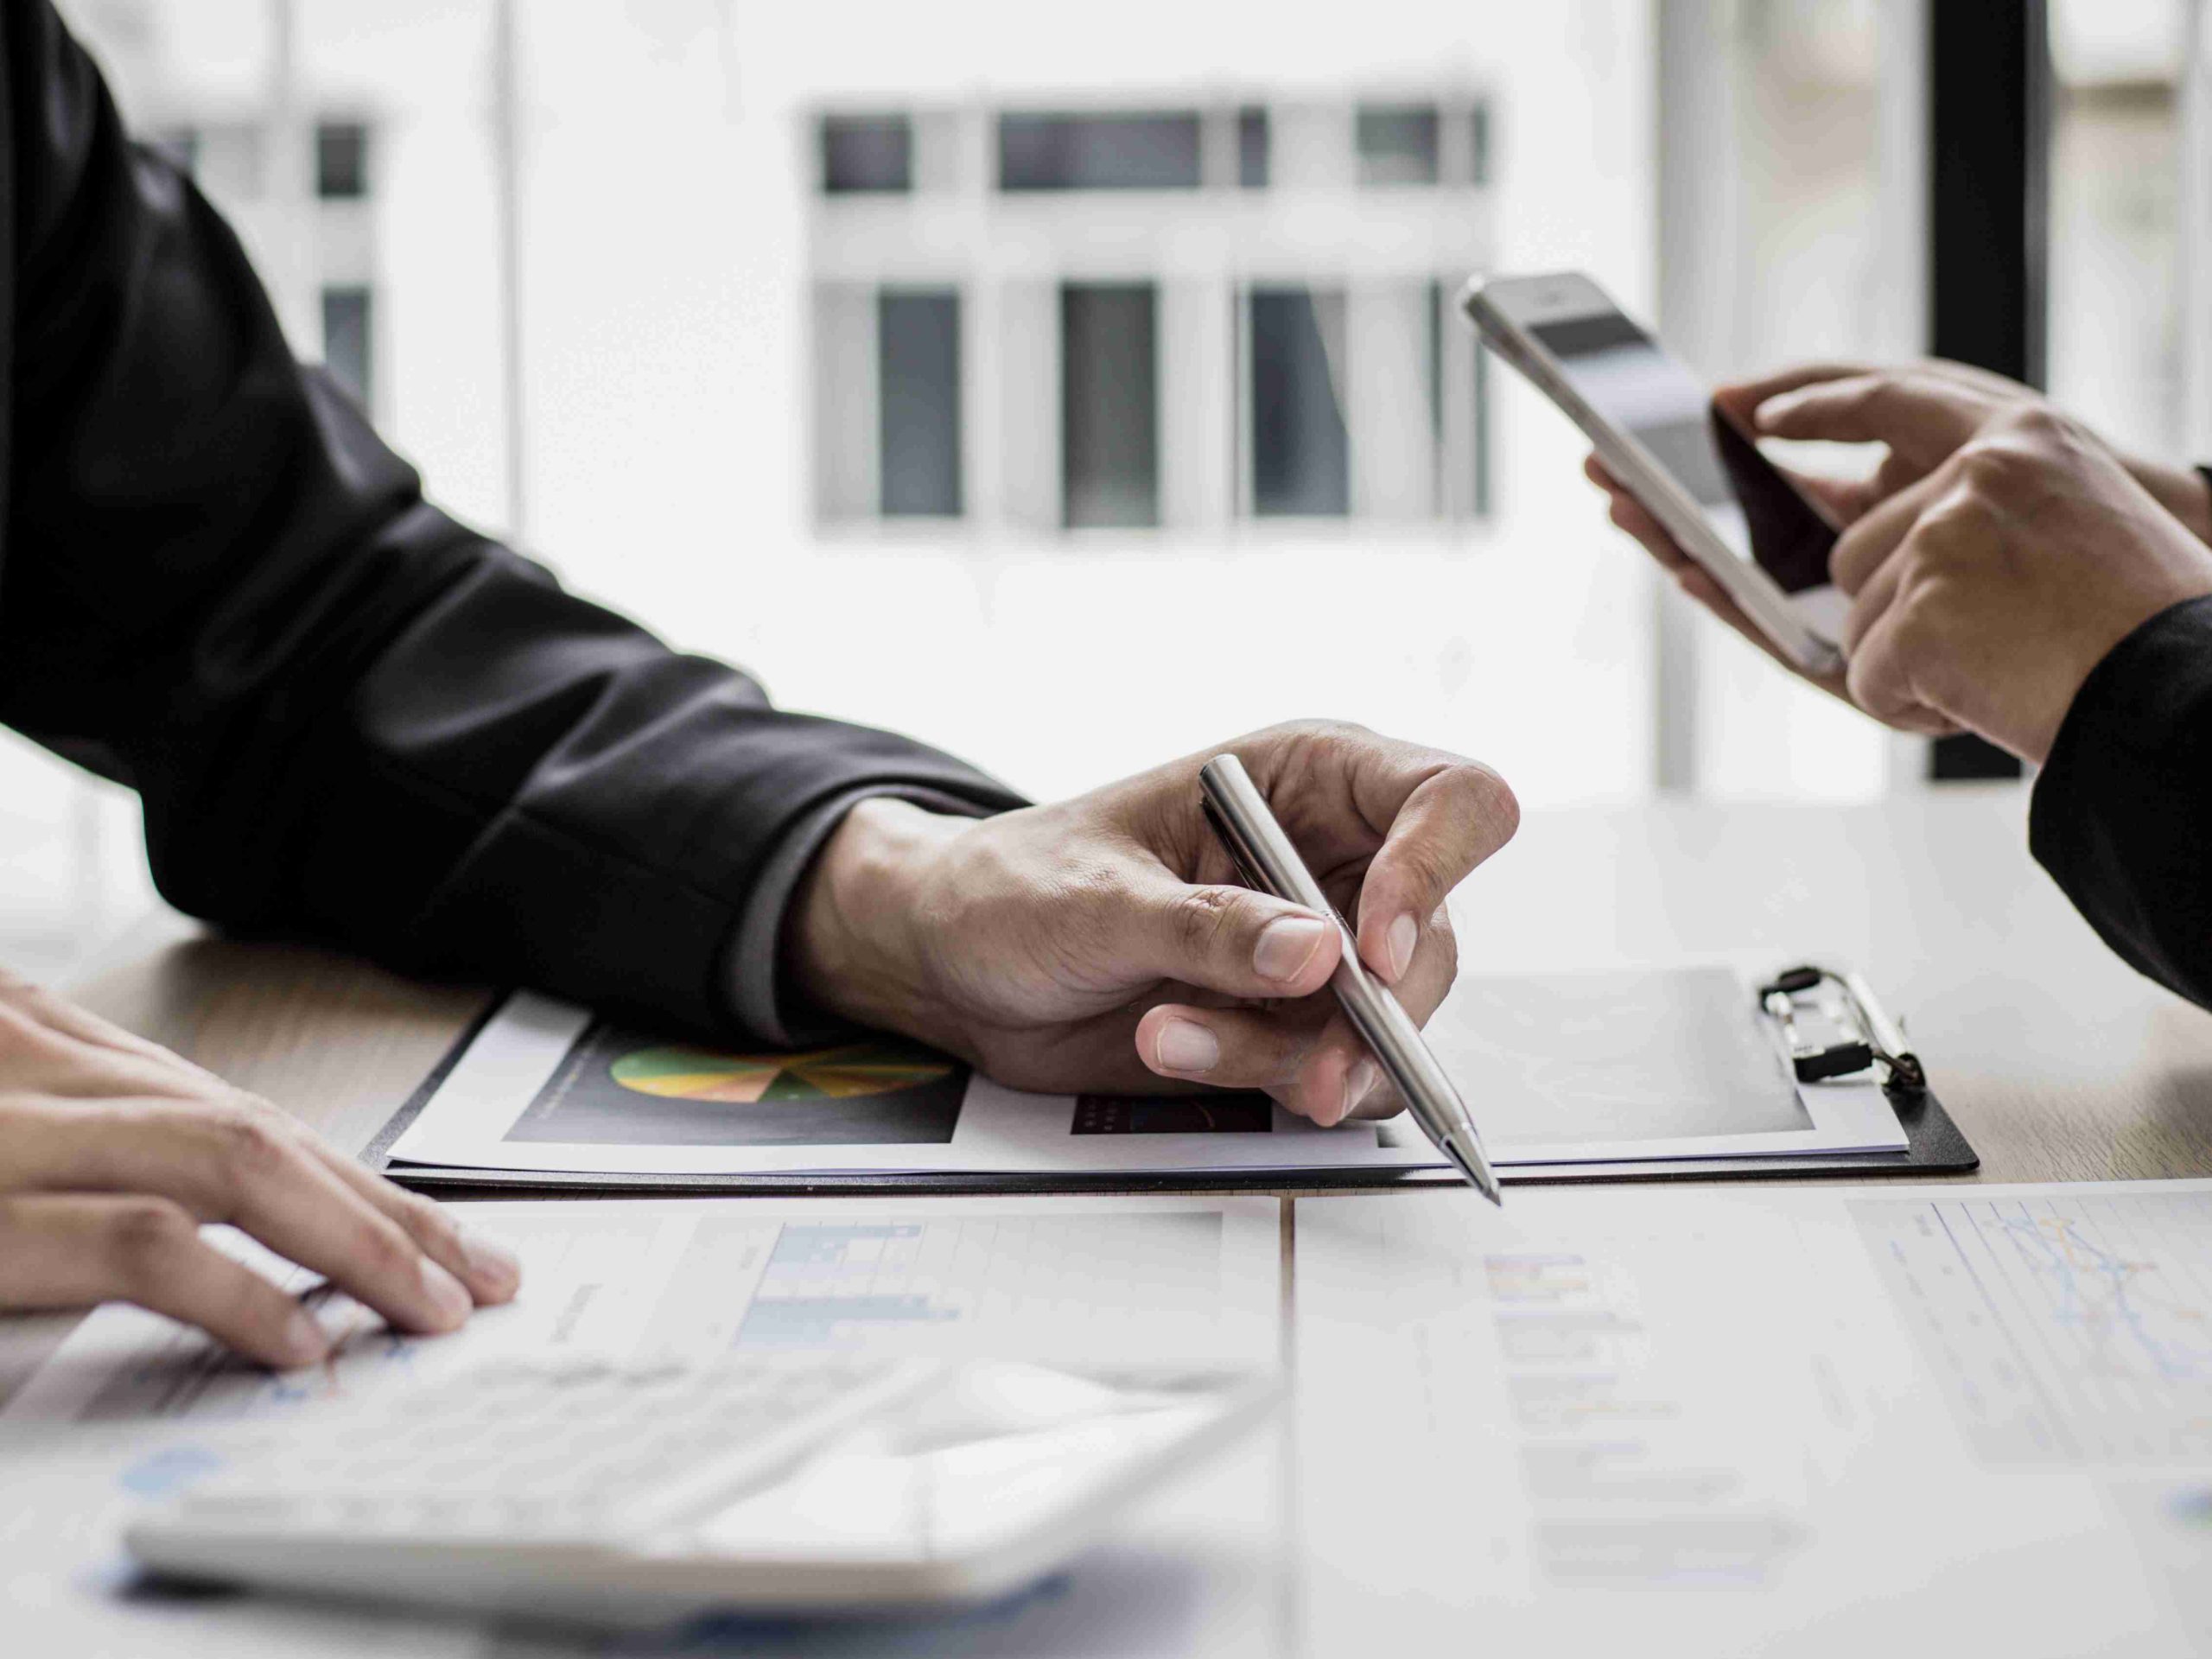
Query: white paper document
[133, 1406]
[1840, 1421]
[1563, 1069]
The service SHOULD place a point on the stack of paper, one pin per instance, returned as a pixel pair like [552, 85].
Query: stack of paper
[1837, 1422]
[1565, 1070]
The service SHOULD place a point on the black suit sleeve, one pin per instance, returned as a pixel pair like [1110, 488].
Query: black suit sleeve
[348, 716]
[2122, 814]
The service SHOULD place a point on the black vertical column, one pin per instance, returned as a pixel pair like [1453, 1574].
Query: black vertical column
[1988, 129]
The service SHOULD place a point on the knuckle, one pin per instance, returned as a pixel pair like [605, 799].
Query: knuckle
[23, 1032]
[1495, 798]
[1882, 393]
[1423, 871]
[252, 1148]
[1091, 895]
[384, 1252]
[1301, 735]
[1867, 683]
[144, 1236]
[1985, 461]
[2040, 421]
[429, 1223]
[1948, 534]
[1201, 918]
[1919, 621]
[2009, 461]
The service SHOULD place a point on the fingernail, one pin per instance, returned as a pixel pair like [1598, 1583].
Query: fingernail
[304, 1341]
[1400, 941]
[449, 1298]
[489, 1260]
[1287, 945]
[1359, 1083]
[1184, 1047]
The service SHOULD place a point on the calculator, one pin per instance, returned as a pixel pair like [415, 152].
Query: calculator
[635, 1494]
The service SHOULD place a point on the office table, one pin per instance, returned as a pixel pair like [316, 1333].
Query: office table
[2057, 1061]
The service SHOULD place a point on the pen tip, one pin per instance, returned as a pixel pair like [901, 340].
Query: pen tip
[1478, 1174]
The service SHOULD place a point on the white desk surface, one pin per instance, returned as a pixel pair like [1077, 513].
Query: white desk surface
[2058, 1062]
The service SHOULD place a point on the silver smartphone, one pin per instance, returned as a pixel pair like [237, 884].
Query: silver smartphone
[1727, 506]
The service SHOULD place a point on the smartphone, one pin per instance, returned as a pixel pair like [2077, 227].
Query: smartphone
[1655, 428]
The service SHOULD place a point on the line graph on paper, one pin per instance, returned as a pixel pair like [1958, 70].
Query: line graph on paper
[2076, 1329]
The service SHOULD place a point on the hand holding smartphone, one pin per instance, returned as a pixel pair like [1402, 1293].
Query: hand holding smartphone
[1656, 429]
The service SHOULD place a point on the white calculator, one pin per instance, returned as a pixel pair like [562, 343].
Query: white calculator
[634, 1494]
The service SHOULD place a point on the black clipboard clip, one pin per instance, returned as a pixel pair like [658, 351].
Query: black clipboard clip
[1870, 1039]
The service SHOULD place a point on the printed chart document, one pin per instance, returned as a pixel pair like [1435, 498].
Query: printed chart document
[1790, 1422]
[1559, 1069]
[133, 1406]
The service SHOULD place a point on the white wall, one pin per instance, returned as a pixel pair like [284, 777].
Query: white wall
[664, 295]
[664, 220]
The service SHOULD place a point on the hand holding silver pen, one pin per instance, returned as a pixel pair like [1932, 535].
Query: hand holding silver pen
[1388, 829]
[1270, 863]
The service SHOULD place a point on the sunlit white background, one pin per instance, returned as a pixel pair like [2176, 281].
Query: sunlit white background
[648, 432]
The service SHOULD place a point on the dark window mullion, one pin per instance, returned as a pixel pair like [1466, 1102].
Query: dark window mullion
[1988, 103]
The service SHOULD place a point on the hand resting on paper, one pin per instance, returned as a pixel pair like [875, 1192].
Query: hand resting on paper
[112, 1153]
[1103, 943]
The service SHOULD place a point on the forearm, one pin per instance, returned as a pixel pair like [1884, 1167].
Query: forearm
[529, 789]
[349, 716]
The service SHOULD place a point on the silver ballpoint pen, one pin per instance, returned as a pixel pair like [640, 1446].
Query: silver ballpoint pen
[1268, 863]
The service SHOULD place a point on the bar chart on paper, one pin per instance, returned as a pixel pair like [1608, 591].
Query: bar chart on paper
[832, 1283]
[1058, 1280]
[2061, 1328]
[1078, 1279]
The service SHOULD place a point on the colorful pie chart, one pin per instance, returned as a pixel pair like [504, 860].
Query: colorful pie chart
[857, 1069]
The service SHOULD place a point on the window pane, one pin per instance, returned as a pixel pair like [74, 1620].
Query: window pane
[1109, 405]
[1099, 152]
[1301, 459]
[918, 343]
[867, 152]
[341, 161]
[346, 339]
[1484, 506]
[226, 160]
[1397, 143]
[1252, 149]
[2115, 346]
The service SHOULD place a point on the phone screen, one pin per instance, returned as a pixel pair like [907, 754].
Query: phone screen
[1621, 372]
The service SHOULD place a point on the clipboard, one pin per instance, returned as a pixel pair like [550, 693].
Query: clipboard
[1935, 1144]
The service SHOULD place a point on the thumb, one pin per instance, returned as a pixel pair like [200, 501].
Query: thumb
[1227, 939]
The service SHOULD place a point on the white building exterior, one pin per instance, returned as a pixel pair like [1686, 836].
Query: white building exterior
[657, 428]
[673, 239]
